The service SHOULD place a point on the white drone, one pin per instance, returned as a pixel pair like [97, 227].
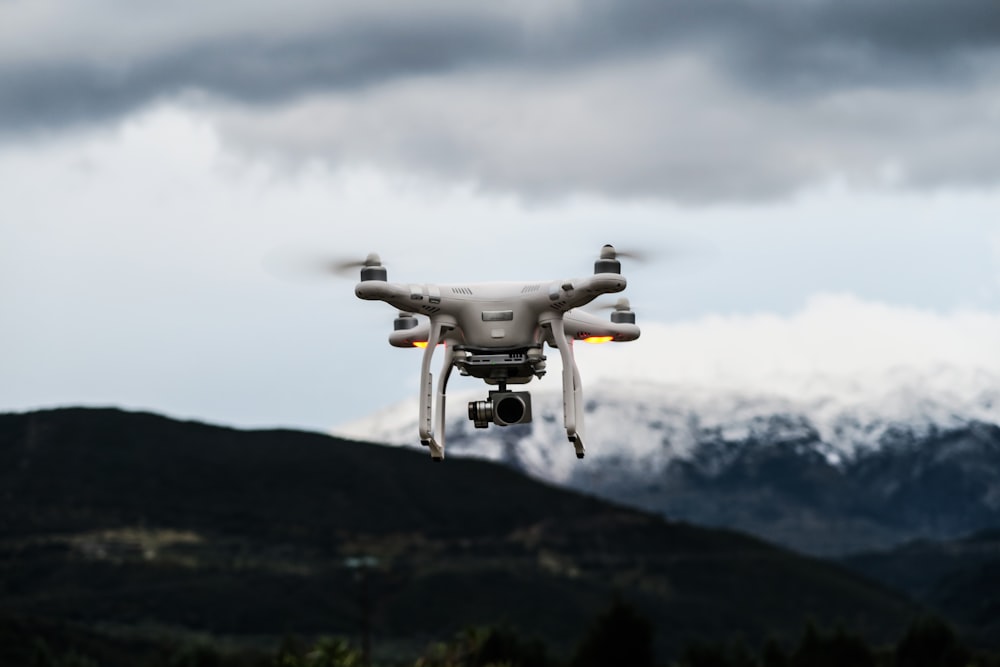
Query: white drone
[496, 332]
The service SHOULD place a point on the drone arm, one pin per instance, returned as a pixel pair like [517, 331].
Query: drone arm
[411, 337]
[395, 294]
[581, 291]
[582, 325]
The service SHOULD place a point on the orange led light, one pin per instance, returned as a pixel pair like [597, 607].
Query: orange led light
[598, 339]
[420, 343]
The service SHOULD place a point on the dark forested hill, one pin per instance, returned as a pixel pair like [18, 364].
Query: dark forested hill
[111, 519]
[824, 476]
[959, 579]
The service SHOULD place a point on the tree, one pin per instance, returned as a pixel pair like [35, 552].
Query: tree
[486, 647]
[930, 642]
[326, 652]
[836, 650]
[703, 654]
[773, 655]
[620, 636]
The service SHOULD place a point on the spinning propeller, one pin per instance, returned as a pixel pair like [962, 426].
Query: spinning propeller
[344, 265]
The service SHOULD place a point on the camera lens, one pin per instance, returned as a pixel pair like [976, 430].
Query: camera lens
[510, 410]
[481, 411]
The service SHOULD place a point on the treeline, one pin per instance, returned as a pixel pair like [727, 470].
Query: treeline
[620, 637]
[929, 642]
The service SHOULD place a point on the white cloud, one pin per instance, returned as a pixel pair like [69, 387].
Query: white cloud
[836, 344]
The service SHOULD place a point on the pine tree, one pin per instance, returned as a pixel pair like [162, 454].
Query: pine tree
[930, 642]
[620, 636]
[773, 655]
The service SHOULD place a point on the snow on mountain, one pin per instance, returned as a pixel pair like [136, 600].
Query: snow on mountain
[645, 425]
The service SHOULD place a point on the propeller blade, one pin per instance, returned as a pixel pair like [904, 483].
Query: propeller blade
[611, 252]
[297, 265]
[621, 304]
[345, 266]
[678, 250]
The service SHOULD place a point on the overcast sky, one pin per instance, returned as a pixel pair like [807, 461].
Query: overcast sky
[785, 161]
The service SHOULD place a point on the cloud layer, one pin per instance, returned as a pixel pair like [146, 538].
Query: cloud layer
[837, 345]
[691, 101]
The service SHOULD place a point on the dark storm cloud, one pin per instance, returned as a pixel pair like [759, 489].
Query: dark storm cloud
[693, 100]
[852, 42]
[805, 45]
[251, 70]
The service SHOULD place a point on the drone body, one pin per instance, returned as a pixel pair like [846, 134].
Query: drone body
[497, 332]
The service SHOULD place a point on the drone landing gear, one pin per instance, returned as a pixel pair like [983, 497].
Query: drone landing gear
[572, 387]
[433, 446]
[428, 408]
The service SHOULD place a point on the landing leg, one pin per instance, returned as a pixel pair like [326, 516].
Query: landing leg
[427, 394]
[577, 438]
[439, 408]
[572, 393]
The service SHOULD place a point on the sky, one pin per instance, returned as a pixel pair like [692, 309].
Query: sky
[816, 185]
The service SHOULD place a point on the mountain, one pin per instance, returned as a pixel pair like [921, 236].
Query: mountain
[826, 472]
[133, 523]
[959, 579]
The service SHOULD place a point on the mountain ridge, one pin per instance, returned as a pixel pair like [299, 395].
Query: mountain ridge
[126, 518]
[677, 452]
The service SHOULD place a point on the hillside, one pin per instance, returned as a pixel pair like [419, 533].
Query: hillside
[959, 579]
[834, 471]
[131, 520]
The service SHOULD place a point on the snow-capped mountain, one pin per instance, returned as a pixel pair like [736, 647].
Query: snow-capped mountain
[830, 466]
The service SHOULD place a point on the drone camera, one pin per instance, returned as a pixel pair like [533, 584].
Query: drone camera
[503, 408]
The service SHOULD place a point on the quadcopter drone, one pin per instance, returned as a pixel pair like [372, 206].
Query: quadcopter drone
[497, 332]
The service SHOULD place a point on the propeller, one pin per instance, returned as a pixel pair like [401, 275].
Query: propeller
[676, 251]
[296, 265]
[611, 252]
[621, 305]
[343, 267]
[621, 310]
